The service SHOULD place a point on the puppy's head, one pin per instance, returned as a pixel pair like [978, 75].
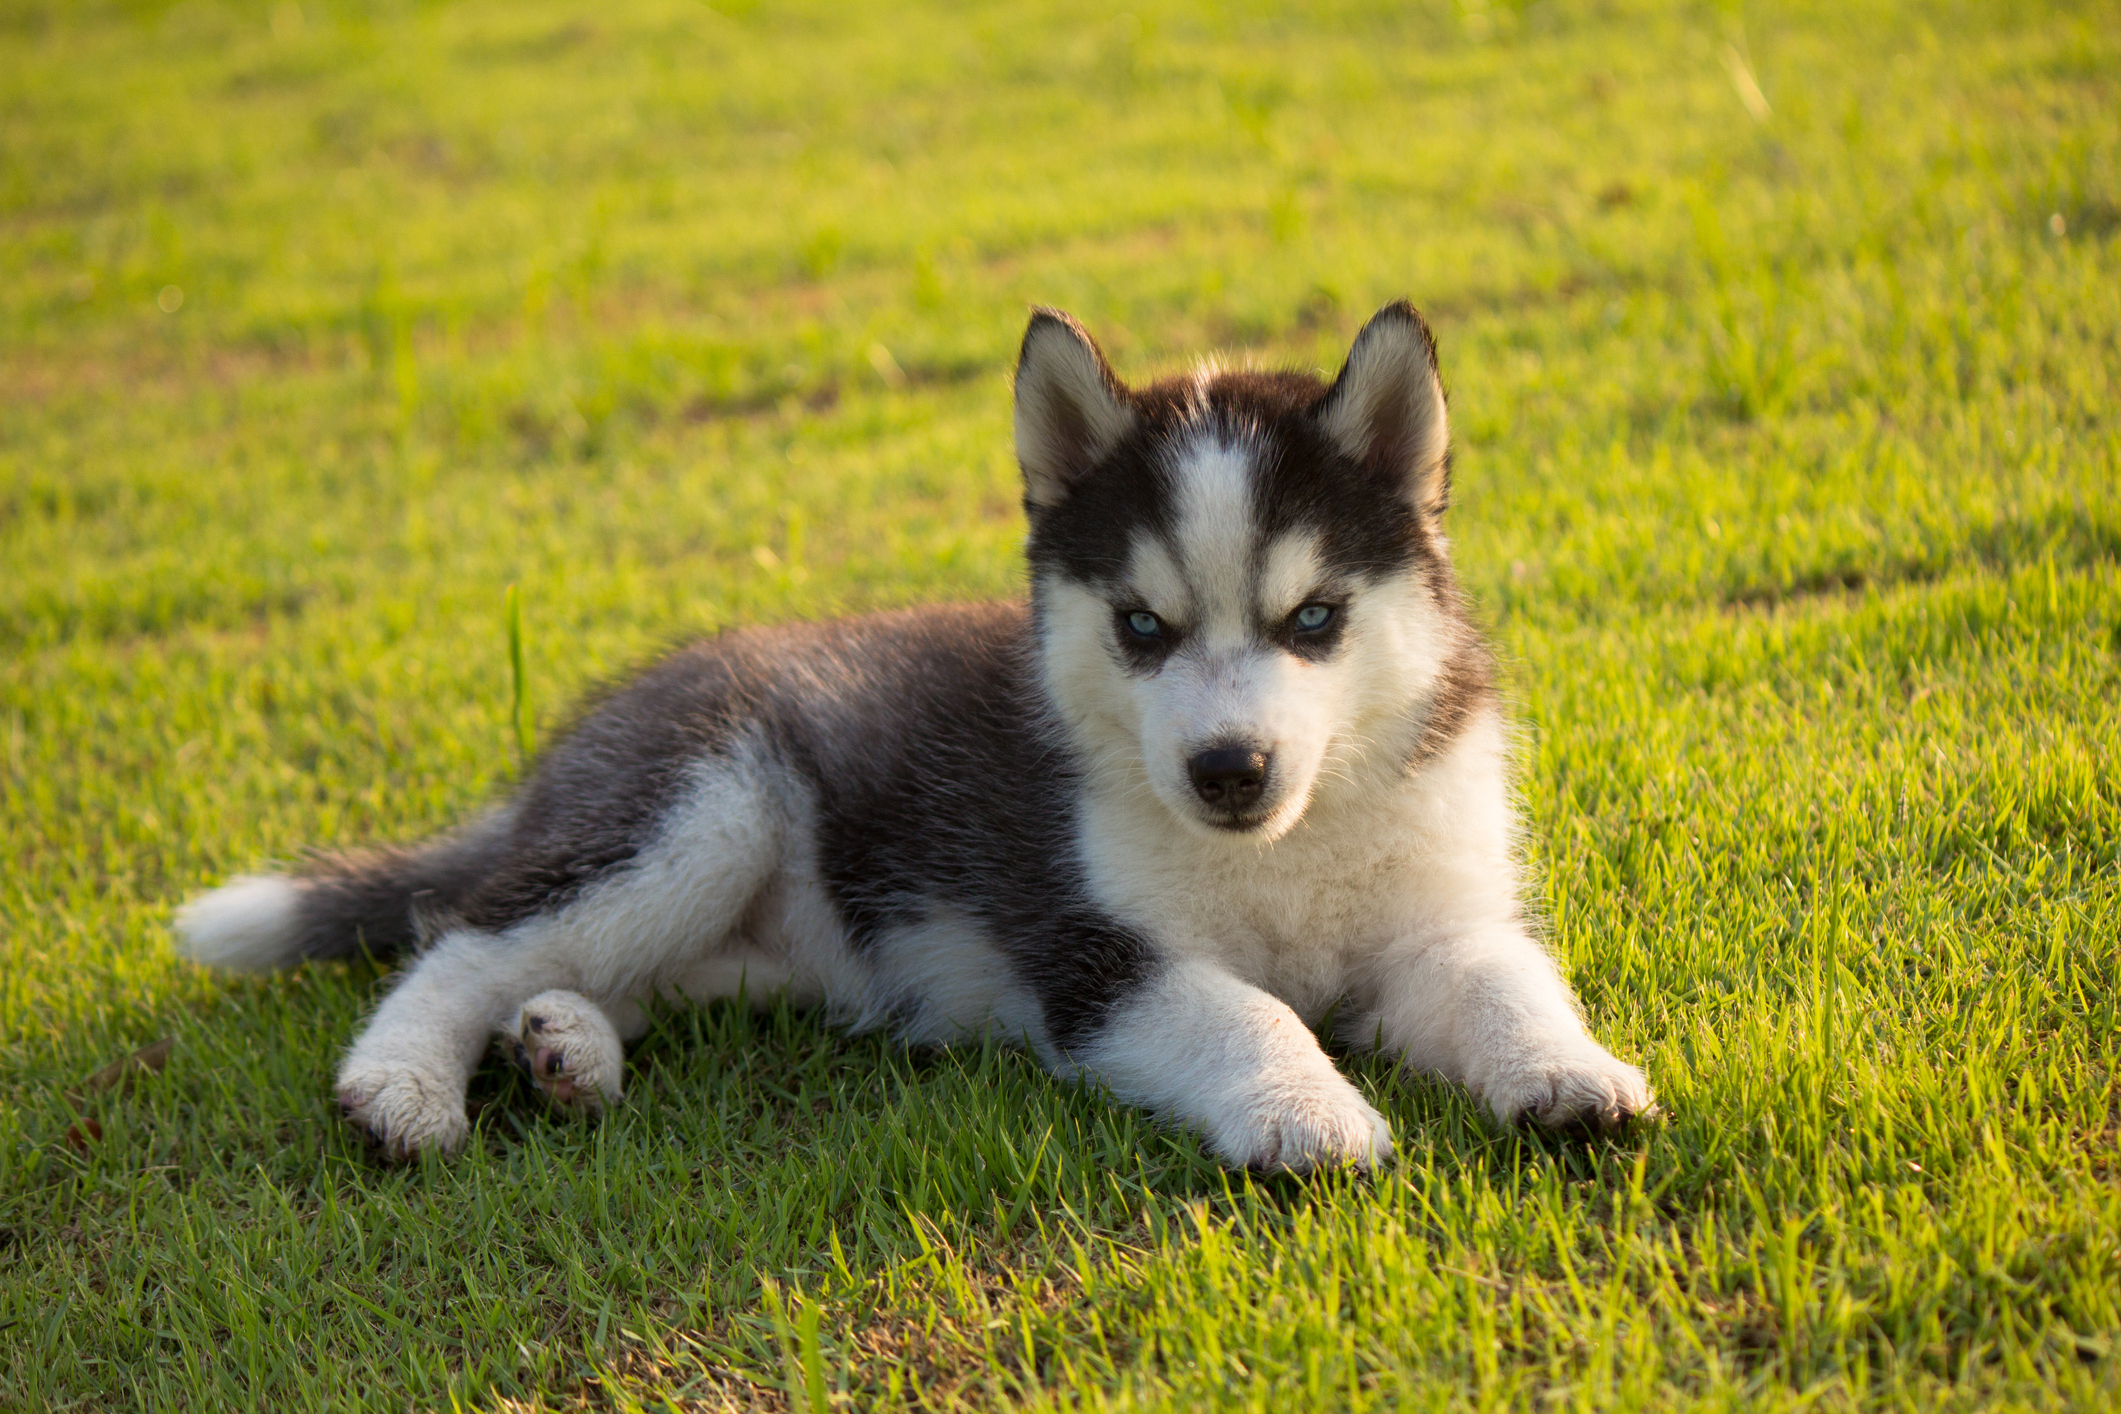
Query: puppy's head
[1240, 579]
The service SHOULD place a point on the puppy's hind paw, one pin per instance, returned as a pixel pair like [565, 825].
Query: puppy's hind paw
[571, 1051]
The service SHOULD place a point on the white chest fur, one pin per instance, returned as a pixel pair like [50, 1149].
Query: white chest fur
[1371, 864]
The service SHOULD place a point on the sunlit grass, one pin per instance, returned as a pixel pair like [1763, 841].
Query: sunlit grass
[1787, 449]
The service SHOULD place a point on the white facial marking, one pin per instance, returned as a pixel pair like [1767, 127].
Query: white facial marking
[1158, 582]
[1216, 538]
[1292, 574]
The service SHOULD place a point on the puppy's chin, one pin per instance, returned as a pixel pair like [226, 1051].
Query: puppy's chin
[1254, 827]
[1279, 821]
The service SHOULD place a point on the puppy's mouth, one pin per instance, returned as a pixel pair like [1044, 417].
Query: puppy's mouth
[1234, 823]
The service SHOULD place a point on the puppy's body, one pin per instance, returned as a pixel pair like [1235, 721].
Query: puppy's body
[1237, 764]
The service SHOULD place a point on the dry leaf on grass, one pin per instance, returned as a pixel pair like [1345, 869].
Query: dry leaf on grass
[118, 1075]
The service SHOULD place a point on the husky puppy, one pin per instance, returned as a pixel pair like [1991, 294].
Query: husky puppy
[1238, 764]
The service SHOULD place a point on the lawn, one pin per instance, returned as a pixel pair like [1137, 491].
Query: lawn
[1785, 353]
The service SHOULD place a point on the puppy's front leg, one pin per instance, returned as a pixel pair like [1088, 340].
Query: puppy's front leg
[1488, 1007]
[1225, 1057]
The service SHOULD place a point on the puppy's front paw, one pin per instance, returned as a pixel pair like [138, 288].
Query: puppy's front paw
[405, 1109]
[1295, 1128]
[571, 1050]
[1583, 1086]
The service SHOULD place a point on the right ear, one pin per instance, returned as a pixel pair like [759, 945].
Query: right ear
[1071, 409]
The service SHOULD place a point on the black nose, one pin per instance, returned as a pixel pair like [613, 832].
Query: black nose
[1229, 776]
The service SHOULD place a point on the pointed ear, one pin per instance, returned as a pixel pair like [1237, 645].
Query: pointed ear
[1386, 409]
[1070, 407]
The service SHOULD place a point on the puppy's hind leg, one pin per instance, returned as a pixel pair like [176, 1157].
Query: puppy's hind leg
[404, 1079]
[677, 898]
[574, 1050]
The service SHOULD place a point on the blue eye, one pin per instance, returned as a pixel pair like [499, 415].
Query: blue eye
[1143, 624]
[1312, 617]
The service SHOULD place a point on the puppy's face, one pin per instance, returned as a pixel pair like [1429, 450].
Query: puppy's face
[1238, 577]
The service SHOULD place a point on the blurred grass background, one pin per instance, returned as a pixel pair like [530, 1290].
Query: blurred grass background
[1782, 347]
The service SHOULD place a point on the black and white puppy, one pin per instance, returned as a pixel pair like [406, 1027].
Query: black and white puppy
[1237, 764]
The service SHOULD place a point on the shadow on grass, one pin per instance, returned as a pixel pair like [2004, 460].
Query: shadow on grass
[2069, 537]
[880, 1135]
[763, 1164]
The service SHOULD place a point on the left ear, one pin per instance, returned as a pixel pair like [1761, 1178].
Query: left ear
[1386, 409]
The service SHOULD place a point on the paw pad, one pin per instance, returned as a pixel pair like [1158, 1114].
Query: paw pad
[570, 1051]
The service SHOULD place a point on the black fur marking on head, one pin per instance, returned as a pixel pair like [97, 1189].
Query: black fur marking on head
[1089, 536]
[1363, 511]
[1366, 526]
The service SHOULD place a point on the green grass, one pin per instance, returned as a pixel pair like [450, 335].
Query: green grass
[1788, 455]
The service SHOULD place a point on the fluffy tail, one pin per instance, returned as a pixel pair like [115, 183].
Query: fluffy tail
[338, 905]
